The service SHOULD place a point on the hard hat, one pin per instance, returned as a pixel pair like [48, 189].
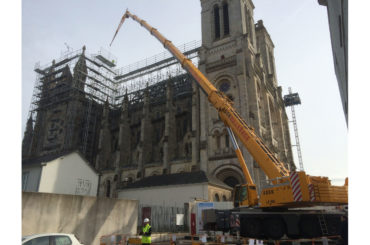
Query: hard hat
[146, 220]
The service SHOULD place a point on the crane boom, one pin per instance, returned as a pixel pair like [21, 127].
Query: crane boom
[272, 167]
[285, 190]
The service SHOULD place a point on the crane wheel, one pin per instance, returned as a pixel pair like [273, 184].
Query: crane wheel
[250, 227]
[274, 227]
[309, 226]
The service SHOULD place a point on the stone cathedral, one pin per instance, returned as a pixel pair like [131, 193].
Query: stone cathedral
[169, 127]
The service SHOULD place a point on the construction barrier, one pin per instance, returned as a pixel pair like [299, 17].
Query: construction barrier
[206, 239]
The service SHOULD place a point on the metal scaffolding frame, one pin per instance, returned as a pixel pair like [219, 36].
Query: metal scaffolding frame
[61, 82]
[148, 72]
[291, 100]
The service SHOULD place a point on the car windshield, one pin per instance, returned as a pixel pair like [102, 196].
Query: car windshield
[24, 238]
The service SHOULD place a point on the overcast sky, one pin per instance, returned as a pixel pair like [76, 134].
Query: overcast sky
[299, 30]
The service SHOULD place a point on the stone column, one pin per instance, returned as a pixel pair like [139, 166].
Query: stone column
[170, 142]
[146, 134]
[124, 140]
[195, 127]
[104, 147]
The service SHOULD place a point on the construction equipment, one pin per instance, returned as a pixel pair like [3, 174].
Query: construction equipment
[285, 190]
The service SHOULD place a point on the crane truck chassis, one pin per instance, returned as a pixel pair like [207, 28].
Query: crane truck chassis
[274, 223]
[287, 205]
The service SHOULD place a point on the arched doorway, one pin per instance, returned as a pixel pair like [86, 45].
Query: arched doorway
[231, 181]
[230, 174]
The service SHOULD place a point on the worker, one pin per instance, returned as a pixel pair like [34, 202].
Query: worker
[146, 233]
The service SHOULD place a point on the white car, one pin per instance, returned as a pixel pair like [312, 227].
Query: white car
[51, 239]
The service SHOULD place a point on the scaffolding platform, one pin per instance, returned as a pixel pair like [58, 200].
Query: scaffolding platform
[106, 57]
[105, 61]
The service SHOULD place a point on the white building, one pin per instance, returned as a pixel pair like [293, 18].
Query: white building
[173, 190]
[66, 174]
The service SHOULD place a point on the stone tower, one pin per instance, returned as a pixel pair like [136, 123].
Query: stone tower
[237, 56]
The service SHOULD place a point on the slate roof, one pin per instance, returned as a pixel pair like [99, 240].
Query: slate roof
[175, 179]
[47, 158]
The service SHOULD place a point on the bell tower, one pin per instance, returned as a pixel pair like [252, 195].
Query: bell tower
[231, 59]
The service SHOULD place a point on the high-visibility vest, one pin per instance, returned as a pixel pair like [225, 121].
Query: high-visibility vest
[144, 238]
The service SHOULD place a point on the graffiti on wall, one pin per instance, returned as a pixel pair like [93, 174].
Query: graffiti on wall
[83, 187]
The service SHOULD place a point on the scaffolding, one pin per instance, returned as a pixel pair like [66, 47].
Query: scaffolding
[148, 72]
[85, 86]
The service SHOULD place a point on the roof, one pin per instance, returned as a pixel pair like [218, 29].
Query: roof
[43, 159]
[176, 179]
[49, 158]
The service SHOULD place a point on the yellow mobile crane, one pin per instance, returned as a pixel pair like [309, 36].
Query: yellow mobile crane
[268, 214]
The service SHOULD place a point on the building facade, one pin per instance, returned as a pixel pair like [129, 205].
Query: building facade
[338, 26]
[168, 127]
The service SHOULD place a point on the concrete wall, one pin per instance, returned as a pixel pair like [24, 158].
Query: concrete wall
[69, 175]
[87, 217]
[167, 196]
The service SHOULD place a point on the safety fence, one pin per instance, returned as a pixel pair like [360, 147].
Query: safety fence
[163, 219]
[204, 239]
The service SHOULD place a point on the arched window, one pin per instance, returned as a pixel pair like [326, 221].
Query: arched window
[227, 143]
[107, 194]
[224, 199]
[217, 198]
[224, 86]
[225, 9]
[218, 141]
[216, 13]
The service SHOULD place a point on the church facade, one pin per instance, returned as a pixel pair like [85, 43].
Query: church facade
[169, 127]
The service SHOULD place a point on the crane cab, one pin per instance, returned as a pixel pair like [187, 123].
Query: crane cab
[245, 195]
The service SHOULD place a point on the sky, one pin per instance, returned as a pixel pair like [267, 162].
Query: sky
[299, 30]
